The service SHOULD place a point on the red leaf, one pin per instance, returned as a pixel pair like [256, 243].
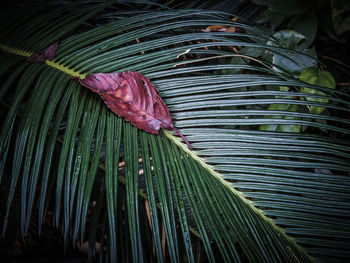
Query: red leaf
[132, 96]
[47, 54]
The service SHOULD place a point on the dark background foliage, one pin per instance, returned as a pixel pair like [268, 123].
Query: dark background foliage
[326, 136]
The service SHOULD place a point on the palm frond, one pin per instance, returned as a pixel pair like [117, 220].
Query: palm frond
[247, 194]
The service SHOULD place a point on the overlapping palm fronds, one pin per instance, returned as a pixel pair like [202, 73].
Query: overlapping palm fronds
[246, 194]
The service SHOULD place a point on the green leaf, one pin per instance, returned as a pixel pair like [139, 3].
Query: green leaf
[151, 197]
[113, 141]
[242, 195]
[319, 77]
[282, 127]
[305, 24]
[6, 132]
[294, 60]
[288, 39]
[340, 16]
[131, 178]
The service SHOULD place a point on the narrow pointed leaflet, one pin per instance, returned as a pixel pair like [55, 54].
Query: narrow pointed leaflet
[132, 96]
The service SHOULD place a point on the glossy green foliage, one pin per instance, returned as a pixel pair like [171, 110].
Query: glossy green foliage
[282, 107]
[295, 58]
[242, 195]
[318, 77]
[308, 17]
[341, 16]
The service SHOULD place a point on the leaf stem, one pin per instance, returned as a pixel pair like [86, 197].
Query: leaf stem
[50, 63]
[65, 69]
[234, 191]
[17, 51]
[184, 138]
